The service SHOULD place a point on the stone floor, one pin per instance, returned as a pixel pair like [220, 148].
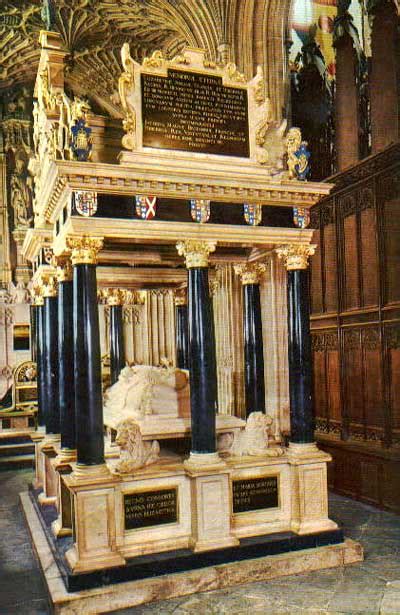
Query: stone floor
[371, 587]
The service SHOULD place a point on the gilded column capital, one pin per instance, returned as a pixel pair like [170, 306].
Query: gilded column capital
[250, 273]
[84, 250]
[36, 295]
[64, 268]
[196, 252]
[180, 297]
[49, 287]
[113, 296]
[295, 256]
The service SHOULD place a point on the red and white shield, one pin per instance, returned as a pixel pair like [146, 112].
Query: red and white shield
[146, 206]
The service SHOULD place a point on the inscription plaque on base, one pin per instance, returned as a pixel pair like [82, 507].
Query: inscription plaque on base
[255, 494]
[146, 508]
[196, 113]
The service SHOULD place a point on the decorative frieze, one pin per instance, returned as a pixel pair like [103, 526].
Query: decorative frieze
[324, 341]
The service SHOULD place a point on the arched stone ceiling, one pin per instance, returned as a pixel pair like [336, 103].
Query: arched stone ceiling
[245, 31]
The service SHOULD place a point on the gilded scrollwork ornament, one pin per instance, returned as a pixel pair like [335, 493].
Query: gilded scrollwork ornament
[126, 84]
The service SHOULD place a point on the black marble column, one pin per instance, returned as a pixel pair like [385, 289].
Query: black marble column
[33, 331]
[181, 334]
[87, 362]
[50, 399]
[300, 366]
[66, 359]
[253, 349]
[40, 368]
[117, 352]
[203, 371]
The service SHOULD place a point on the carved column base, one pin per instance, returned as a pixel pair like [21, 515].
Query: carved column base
[309, 480]
[45, 454]
[207, 461]
[87, 473]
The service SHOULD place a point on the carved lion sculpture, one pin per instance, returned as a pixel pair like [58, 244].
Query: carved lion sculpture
[135, 452]
[253, 440]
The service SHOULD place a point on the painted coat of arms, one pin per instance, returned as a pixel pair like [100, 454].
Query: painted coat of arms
[85, 202]
[252, 213]
[200, 210]
[301, 217]
[146, 206]
[81, 140]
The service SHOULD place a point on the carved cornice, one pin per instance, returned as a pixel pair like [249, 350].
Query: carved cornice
[181, 177]
[250, 273]
[84, 250]
[295, 256]
[196, 253]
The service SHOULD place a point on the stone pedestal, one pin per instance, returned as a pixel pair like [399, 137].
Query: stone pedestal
[210, 508]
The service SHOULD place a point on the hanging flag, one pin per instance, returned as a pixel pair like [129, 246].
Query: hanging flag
[324, 13]
[146, 206]
[84, 202]
[252, 213]
[200, 210]
[301, 217]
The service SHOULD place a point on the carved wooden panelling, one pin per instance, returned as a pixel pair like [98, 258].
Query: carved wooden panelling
[351, 275]
[357, 385]
[330, 268]
[316, 278]
[369, 259]
[391, 230]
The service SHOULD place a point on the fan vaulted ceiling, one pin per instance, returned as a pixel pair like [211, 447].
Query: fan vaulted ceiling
[94, 31]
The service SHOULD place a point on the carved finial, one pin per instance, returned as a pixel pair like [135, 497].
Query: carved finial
[196, 252]
[84, 250]
[250, 273]
[296, 256]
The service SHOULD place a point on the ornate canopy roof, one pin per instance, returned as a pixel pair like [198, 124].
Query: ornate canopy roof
[93, 32]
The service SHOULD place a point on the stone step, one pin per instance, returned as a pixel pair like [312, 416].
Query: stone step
[16, 461]
[13, 449]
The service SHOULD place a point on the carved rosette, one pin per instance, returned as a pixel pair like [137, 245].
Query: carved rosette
[84, 250]
[295, 256]
[250, 273]
[196, 253]
[64, 269]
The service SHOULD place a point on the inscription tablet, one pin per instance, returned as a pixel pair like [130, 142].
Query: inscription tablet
[255, 494]
[147, 508]
[194, 112]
